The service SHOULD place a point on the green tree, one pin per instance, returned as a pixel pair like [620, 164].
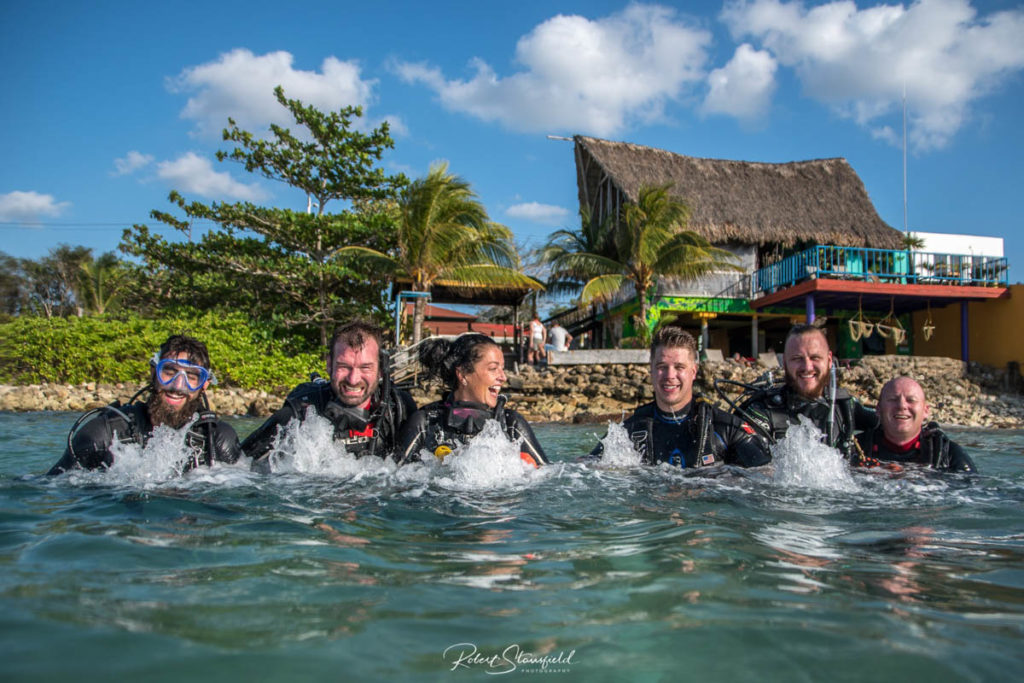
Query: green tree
[650, 241]
[571, 256]
[444, 234]
[50, 285]
[101, 283]
[277, 263]
[11, 284]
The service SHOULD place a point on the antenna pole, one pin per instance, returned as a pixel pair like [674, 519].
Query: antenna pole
[905, 228]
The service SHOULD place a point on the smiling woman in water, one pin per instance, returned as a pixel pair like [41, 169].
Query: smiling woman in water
[473, 369]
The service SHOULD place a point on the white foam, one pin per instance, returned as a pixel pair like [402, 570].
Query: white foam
[164, 458]
[801, 459]
[309, 447]
[618, 448]
[490, 460]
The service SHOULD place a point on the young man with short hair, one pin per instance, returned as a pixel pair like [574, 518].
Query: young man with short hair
[680, 427]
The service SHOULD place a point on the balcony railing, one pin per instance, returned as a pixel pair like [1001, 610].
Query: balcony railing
[882, 265]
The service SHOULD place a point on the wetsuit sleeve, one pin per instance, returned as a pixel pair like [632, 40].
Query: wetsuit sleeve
[756, 413]
[408, 406]
[864, 419]
[742, 445]
[530, 444]
[411, 438]
[90, 447]
[226, 446]
[259, 443]
[959, 461]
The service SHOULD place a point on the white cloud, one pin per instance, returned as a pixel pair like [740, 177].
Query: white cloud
[742, 88]
[241, 85]
[131, 162]
[29, 207]
[859, 60]
[581, 75]
[546, 214]
[191, 173]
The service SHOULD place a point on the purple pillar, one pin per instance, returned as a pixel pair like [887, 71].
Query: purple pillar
[964, 351]
[809, 301]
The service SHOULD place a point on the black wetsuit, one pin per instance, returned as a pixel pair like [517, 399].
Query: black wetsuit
[363, 432]
[776, 409]
[451, 423]
[932, 447]
[699, 435]
[90, 444]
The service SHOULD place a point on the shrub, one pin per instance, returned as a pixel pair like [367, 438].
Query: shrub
[107, 349]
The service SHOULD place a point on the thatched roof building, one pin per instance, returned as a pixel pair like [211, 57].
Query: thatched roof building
[822, 201]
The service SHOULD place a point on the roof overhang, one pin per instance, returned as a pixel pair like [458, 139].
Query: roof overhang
[876, 296]
[481, 295]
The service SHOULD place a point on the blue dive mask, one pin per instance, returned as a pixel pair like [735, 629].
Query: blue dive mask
[167, 371]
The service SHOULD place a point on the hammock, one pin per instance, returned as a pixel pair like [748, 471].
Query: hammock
[929, 327]
[858, 326]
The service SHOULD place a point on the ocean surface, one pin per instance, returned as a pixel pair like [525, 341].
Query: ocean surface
[333, 569]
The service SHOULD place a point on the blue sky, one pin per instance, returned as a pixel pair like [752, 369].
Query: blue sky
[108, 106]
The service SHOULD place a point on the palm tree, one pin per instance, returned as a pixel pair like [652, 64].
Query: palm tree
[444, 234]
[650, 242]
[101, 283]
[569, 271]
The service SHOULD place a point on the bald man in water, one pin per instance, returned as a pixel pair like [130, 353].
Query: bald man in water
[902, 435]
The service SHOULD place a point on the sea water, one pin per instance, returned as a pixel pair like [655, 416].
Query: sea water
[477, 565]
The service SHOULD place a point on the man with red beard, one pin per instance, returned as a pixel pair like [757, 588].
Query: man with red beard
[679, 427]
[359, 400]
[179, 376]
[903, 437]
[807, 362]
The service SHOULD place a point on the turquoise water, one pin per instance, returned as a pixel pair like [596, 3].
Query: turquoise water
[335, 569]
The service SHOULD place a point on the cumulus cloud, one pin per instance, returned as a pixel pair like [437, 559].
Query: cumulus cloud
[596, 76]
[29, 207]
[131, 162]
[858, 61]
[194, 174]
[241, 85]
[742, 88]
[546, 214]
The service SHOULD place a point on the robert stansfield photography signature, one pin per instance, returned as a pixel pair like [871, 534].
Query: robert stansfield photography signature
[512, 658]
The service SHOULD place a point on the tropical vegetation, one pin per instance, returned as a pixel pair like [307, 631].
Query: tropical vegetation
[648, 241]
[444, 235]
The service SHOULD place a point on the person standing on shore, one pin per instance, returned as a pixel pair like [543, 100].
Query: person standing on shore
[682, 428]
[809, 390]
[179, 376]
[359, 400]
[903, 437]
[560, 340]
[538, 337]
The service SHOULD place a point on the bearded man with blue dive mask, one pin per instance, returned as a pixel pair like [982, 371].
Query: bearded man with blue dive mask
[179, 375]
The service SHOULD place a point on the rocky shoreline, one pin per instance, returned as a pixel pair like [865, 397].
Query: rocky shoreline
[960, 394]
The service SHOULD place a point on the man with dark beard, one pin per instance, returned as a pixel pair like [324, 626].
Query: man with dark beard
[807, 391]
[358, 400]
[179, 376]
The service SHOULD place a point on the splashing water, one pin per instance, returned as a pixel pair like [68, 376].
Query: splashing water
[164, 457]
[618, 448]
[801, 459]
[490, 460]
[309, 447]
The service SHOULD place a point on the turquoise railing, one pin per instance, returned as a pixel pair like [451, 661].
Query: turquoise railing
[882, 265]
